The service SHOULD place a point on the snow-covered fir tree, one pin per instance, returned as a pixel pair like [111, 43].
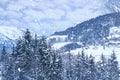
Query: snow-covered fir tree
[102, 72]
[6, 67]
[81, 66]
[44, 53]
[92, 69]
[23, 57]
[70, 67]
[36, 60]
[56, 69]
[113, 69]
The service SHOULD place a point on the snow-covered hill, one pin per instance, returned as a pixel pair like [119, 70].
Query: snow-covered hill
[95, 36]
[113, 44]
[7, 32]
[8, 36]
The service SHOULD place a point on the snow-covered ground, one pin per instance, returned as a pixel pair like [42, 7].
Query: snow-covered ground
[112, 45]
[114, 32]
[60, 45]
[96, 51]
[58, 36]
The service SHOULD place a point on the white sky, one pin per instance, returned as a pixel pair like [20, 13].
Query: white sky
[47, 16]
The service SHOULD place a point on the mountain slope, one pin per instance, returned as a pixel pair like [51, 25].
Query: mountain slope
[8, 36]
[95, 36]
[92, 32]
[12, 33]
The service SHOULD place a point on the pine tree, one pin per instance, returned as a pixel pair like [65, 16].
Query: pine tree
[70, 69]
[56, 68]
[35, 59]
[113, 70]
[60, 66]
[12, 61]
[78, 67]
[102, 68]
[92, 69]
[10, 71]
[4, 54]
[23, 56]
[81, 67]
[15, 55]
[37, 62]
[4, 64]
[43, 58]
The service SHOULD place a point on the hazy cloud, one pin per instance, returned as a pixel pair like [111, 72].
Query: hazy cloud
[48, 15]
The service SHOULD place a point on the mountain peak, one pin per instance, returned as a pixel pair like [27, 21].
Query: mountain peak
[8, 32]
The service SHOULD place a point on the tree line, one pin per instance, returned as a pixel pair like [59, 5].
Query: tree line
[35, 59]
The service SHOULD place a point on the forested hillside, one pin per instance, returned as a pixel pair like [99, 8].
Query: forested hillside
[35, 59]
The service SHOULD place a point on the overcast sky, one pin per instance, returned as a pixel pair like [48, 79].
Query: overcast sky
[47, 16]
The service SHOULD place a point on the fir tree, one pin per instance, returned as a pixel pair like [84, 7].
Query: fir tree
[78, 67]
[92, 69]
[43, 58]
[102, 68]
[4, 64]
[23, 56]
[81, 68]
[35, 59]
[56, 68]
[70, 69]
[113, 70]
[37, 63]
